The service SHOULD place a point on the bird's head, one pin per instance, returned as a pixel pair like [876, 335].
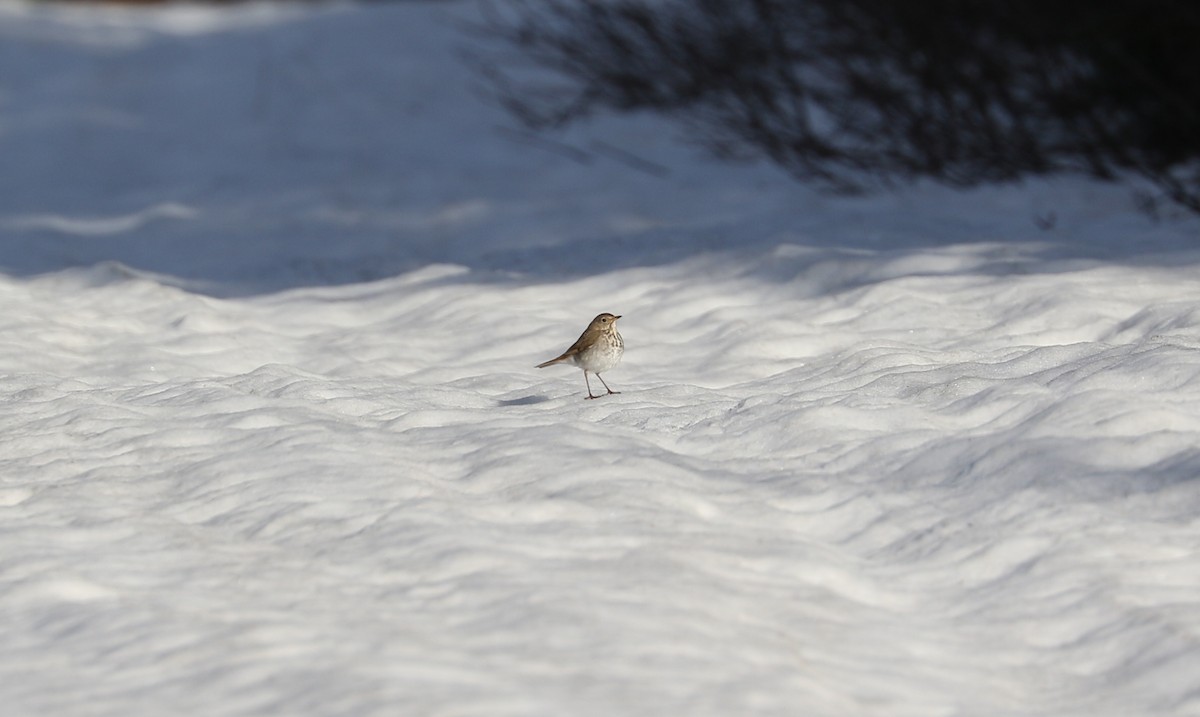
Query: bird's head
[603, 322]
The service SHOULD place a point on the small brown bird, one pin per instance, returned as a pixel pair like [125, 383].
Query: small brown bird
[598, 349]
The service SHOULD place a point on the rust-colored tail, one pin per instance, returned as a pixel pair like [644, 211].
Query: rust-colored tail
[553, 361]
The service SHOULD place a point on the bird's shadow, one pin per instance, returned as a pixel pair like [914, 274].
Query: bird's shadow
[523, 401]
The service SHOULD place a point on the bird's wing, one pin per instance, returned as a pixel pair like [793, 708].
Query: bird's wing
[575, 348]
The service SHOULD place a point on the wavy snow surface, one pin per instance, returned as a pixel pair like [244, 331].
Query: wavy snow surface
[272, 442]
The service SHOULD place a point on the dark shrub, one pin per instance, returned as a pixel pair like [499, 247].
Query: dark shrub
[861, 93]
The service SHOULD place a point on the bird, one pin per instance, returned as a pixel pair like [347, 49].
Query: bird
[598, 349]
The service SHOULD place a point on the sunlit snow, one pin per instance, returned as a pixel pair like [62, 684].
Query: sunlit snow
[273, 282]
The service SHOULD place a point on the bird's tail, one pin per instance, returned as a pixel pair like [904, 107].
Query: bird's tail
[552, 361]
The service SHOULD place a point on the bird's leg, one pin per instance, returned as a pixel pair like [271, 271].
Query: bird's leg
[610, 391]
[589, 384]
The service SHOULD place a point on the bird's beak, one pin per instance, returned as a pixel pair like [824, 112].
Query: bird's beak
[616, 317]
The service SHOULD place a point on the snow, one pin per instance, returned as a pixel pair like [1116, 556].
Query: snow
[273, 282]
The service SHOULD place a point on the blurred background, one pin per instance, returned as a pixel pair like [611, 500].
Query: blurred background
[272, 145]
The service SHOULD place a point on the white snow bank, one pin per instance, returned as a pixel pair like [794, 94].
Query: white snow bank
[274, 284]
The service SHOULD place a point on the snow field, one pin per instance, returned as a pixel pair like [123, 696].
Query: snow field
[274, 443]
